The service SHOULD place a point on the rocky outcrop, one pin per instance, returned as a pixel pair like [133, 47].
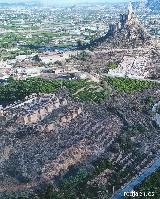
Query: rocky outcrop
[70, 115]
[1, 111]
[127, 33]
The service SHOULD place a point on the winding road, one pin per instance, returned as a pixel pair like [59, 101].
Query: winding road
[138, 179]
[146, 172]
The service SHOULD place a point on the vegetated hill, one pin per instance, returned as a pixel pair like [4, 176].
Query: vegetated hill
[106, 144]
[154, 4]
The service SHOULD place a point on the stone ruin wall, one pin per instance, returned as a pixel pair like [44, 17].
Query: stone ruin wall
[70, 115]
[62, 120]
[44, 104]
[42, 112]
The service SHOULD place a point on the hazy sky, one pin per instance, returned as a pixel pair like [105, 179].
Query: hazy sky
[63, 1]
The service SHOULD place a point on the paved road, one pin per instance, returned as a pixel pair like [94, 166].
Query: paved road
[138, 179]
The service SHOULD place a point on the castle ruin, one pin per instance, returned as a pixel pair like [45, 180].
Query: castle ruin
[125, 19]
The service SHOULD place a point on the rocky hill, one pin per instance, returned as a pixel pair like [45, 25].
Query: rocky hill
[77, 146]
[126, 50]
[127, 33]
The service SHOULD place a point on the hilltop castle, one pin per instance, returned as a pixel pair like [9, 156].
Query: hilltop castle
[125, 19]
[128, 32]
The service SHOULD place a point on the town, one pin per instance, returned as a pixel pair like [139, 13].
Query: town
[54, 37]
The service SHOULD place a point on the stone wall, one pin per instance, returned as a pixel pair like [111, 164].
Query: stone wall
[61, 120]
[65, 119]
[44, 113]
[41, 110]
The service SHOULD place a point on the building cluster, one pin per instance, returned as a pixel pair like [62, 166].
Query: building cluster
[49, 65]
[134, 67]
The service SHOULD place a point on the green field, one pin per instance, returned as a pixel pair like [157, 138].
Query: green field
[83, 90]
[128, 85]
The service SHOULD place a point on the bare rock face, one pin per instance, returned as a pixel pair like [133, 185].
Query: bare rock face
[1, 111]
[127, 33]
[63, 120]
[49, 128]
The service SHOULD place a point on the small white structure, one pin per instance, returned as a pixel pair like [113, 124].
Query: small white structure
[156, 116]
[1, 111]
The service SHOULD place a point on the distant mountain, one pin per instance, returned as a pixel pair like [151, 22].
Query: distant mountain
[154, 4]
[16, 4]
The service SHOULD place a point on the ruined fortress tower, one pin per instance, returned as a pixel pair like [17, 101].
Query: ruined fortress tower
[125, 19]
[128, 31]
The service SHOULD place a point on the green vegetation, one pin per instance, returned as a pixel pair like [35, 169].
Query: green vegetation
[91, 94]
[9, 40]
[112, 66]
[83, 56]
[101, 165]
[129, 85]
[149, 100]
[18, 90]
[6, 55]
[76, 185]
[15, 26]
[15, 40]
[151, 184]
[79, 89]
[43, 38]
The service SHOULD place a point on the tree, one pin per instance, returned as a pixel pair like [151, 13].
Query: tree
[79, 43]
